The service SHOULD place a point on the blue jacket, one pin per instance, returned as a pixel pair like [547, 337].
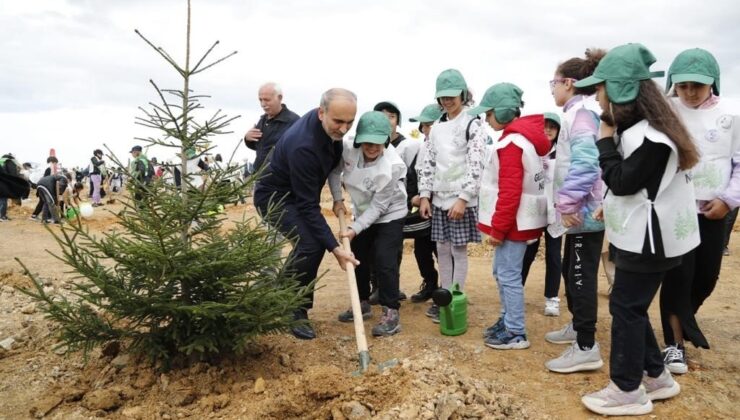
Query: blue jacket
[300, 164]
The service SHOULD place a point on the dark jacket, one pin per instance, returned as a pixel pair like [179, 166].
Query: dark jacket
[272, 129]
[96, 162]
[300, 164]
[642, 169]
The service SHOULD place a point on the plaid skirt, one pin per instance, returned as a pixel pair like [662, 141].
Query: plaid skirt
[459, 232]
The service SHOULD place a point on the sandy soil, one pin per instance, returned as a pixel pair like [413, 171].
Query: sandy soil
[281, 377]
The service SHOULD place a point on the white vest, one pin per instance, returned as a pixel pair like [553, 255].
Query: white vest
[532, 212]
[448, 138]
[549, 164]
[716, 134]
[362, 183]
[626, 217]
[562, 163]
[408, 149]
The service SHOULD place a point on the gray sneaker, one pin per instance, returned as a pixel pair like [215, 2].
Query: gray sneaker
[389, 324]
[612, 401]
[433, 312]
[574, 359]
[662, 387]
[347, 316]
[565, 335]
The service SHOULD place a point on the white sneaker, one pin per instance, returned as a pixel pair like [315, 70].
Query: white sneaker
[565, 335]
[574, 359]
[552, 306]
[612, 401]
[662, 387]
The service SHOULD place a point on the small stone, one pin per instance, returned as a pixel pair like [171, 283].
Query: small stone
[182, 397]
[56, 372]
[44, 405]
[29, 309]
[73, 394]
[354, 410]
[48, 290]
[101, 399]
[336, 414]
[120, 361]
[7, 344]
[285, 359]
[145, 380]
[166, 416]
[61, 350]
[345, 338]
[259, 385]
[136, 412]
[164, 380]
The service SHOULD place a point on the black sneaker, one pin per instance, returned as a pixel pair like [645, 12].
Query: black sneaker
[674, 359]
[305, 331]
[402, 295]
[433, 312]
[424, 293]
[348, 316]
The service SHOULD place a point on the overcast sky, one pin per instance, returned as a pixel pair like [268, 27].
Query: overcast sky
[73, 72]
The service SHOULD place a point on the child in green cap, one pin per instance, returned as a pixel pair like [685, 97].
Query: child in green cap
[373, 175]
[417, 228]
[578, 192]
[553, 260]
[450, 179]
[645, 153]
[512, 204]
[693, 84]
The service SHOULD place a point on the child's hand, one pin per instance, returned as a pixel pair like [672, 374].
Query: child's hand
[425, 210]
[457, 211]
[570, 220]
[715, 209]
[598, 214]
[494, 242]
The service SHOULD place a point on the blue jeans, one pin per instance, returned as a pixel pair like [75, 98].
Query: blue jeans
[507, 270]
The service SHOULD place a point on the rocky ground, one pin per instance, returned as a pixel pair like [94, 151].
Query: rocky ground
[280, 377]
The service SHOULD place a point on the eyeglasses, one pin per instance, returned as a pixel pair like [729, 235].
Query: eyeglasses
[554, 82]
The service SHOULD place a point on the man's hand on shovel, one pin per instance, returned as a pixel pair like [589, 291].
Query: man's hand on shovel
[343, 257]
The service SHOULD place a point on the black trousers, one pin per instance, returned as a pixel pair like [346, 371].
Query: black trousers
[553, 263]
[425, 250]
[634, 347]
[377, 248]
[688, 285]
[581, 257]
[307, 252]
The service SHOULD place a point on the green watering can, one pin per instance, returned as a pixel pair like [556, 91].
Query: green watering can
[453, 310]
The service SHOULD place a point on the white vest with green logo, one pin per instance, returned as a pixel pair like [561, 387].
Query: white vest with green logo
[532, 212]
[716, 134]
[448, 138]
[628, 217]
[363, 182]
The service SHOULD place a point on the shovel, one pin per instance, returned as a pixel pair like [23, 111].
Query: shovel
[362, 352]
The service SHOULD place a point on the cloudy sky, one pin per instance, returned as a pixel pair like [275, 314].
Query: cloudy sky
[74, 73]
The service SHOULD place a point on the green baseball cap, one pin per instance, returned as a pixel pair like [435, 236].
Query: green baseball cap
[503, 98]
[694, 65]
[430, 113]
[450, 83]
[373, 127]
[552, 117]
[621, 70]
